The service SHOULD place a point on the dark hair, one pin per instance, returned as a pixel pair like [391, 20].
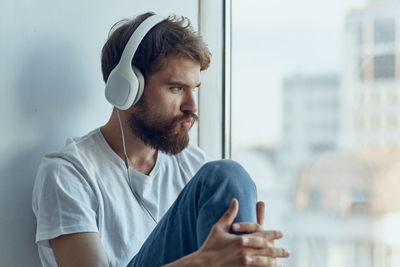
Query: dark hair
[173, 36]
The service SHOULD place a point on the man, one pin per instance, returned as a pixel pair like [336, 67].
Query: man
[144, 197]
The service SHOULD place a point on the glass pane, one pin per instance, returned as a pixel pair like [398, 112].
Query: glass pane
[315, 121]
[384, 29]
[384, 66]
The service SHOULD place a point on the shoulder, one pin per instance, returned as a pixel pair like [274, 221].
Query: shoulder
[63, 180]
[69, 165]
[77, 152]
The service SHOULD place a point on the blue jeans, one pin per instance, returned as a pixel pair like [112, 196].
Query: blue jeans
[186, 225]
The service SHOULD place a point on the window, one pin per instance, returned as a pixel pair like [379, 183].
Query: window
[314, 199]
[392, 122]
[384, 66]
[392, 97]
[384, 30]
[314, 87]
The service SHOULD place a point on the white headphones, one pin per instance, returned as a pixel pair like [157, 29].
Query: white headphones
[125, 83]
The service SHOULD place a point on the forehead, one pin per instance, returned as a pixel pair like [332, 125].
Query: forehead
[178, 68]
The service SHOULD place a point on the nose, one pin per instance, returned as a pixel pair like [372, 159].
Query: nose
[189, 103]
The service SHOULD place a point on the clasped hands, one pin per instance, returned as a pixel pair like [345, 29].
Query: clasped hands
[254, 248]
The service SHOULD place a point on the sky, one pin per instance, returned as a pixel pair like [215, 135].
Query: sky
[273, 39]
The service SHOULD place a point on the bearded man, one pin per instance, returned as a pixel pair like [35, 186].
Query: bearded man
[145, 197]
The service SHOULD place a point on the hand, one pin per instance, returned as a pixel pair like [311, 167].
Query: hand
[224, 249]
[257, 235]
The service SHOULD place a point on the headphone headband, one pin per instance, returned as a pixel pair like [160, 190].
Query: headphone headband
[125, 83]
[137, 37]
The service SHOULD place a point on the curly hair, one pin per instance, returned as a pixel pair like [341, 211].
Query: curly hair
[172, 36]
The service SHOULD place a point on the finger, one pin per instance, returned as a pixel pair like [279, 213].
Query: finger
[247, 227]
[253, 241]
[272, 252]
[259, 261]
[270, 235]
[230, 214]
[260, 212]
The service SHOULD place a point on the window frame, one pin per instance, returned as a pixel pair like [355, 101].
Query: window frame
[214, 131]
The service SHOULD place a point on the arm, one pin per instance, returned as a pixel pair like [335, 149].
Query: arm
[80, 249]
[222, 248]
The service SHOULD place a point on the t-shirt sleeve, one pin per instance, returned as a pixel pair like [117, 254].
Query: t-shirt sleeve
[63, 201]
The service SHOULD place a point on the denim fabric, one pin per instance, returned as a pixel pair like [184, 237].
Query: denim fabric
[198, 207]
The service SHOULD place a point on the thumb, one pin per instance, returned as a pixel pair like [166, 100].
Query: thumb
[229, 216]
[260, 212]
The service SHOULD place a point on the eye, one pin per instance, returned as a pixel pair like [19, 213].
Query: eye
[176, 89]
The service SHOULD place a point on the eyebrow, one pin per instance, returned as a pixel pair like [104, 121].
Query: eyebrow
[181, 84]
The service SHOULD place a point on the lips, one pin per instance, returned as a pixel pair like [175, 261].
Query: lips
[187, 120]
[187, 123]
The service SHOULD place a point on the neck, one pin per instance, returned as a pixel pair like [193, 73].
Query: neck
[140, 156]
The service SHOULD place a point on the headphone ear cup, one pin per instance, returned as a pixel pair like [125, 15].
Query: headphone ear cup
[122, 87]
[140, 84]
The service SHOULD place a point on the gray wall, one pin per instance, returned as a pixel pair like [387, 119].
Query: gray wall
[51, 88]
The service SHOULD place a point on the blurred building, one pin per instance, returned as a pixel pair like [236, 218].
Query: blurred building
[310, 129]
[310, 119]
[348, 206]
[359, 181]
[347, 201]
[371, 79]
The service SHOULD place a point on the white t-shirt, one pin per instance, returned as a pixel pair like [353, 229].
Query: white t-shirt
[84, 188]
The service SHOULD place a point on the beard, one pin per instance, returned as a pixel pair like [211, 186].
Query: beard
[166, 135]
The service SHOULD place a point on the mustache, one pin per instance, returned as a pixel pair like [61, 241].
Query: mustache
[184, 117]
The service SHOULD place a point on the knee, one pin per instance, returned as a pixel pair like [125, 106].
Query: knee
[225, 167]
[228, 173]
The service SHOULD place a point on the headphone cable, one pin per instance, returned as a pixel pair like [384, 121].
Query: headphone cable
[138, 198]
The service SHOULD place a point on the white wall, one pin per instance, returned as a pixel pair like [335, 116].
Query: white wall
[51, 88]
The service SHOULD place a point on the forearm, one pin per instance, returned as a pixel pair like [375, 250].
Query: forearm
[80, 249]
